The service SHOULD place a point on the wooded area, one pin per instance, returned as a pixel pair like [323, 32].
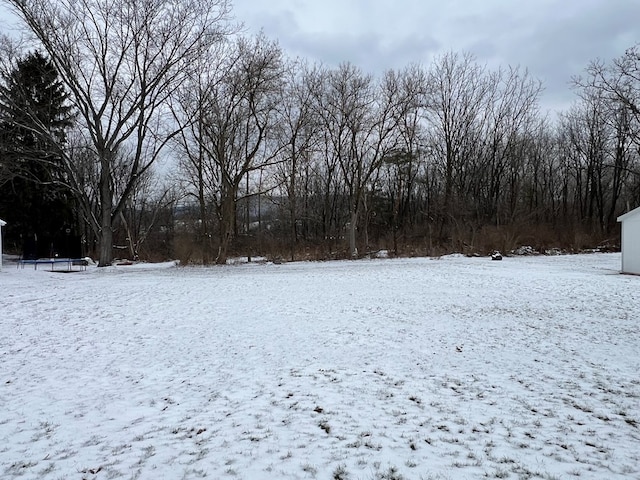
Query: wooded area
[152, 129]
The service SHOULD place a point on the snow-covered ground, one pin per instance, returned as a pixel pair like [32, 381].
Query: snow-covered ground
[452, 368]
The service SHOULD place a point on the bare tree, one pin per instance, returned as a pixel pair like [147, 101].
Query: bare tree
[600, 133]
[324, 188]
[540, 195]
[403, 164]
[10, 51]
[511, 112]
[189, 106]
[121, 60]
[456, 109]
[298, 134]
[231, 136]
[619, 81]
[358, 119]
[618, 85]
[144, 207]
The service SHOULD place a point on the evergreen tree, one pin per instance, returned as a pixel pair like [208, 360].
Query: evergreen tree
[34, 118]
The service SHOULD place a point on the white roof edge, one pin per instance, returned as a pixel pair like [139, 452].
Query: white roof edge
[632, 213]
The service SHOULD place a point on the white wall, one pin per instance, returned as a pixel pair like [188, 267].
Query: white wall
[631, 244]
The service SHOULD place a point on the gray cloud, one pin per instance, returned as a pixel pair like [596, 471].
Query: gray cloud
[557, 41]
[369, 51]
[554, 39]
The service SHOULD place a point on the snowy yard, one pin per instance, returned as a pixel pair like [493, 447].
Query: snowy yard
[452, 368]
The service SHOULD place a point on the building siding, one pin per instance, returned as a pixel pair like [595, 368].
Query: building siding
[630, 243]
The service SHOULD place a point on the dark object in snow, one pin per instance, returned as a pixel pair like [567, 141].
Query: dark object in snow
[68, 262]
[496, 256]
[524, 250]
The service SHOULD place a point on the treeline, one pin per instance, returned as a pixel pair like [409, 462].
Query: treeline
[266, 155]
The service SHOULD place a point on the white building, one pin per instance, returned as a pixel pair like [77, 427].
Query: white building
[2, 224]
[631, 241]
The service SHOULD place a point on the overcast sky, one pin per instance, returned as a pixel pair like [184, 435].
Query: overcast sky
[553, 39]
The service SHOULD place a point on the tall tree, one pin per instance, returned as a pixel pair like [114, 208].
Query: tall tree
[297, 133]
[618, 85]
[121, 60]
[404, 164]
[231, 124]
[357, 115]
[456, 104]
[511, 110]
[35, 198]
[619, 80]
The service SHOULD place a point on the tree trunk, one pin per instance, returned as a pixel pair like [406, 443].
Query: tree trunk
[205, 240]
[353, 249]
[106, 245]
[227, 227]
[293, 240]
[106, 226]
